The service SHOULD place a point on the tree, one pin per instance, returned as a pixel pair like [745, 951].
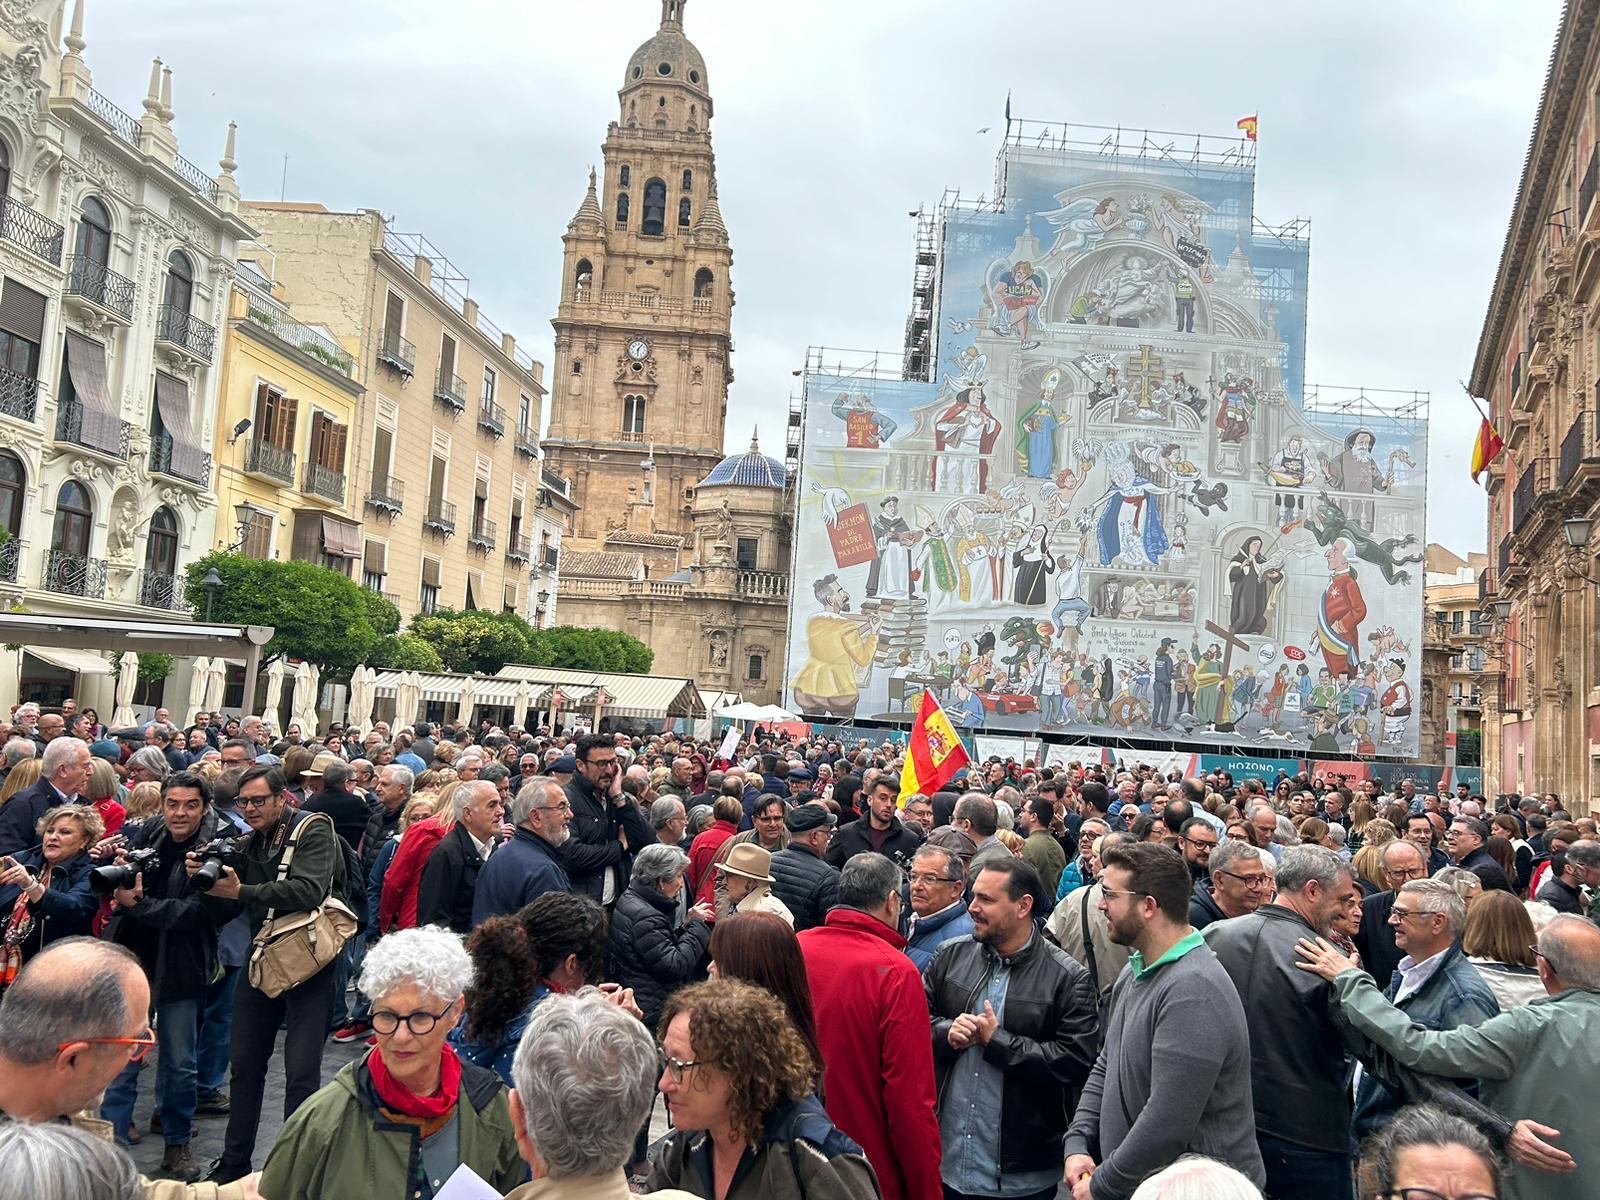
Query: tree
[405, 652]
[318, 615]
[580, 649]
[475, 642]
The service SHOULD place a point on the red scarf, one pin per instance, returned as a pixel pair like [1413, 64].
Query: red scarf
[399, 1099]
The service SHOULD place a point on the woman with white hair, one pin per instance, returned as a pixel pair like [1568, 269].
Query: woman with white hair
[650, 951]
[62, 1162]
[1194, 1177]
[396, 1123]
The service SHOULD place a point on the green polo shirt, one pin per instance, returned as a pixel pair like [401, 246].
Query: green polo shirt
[1178, 949]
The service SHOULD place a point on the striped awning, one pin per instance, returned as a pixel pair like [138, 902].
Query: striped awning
[489, 690]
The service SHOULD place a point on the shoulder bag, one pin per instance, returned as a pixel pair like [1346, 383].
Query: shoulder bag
[290, 949]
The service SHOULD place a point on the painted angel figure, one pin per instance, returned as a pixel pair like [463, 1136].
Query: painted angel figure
[1129, 528]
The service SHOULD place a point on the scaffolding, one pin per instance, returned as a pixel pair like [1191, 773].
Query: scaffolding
[1366, 404]
[919, 355]
[1194, 153]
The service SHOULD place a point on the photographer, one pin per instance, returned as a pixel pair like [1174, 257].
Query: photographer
[160, 918]
[251, 884]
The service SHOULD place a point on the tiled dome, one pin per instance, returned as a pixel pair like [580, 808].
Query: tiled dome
[750, 469]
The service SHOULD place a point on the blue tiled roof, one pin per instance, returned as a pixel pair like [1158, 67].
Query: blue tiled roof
[750, 469]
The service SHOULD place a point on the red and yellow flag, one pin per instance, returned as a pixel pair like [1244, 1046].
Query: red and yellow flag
[1486, 449]
[933, 755]
[1249, 125]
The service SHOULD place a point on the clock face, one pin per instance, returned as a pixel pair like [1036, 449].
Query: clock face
[638, 349]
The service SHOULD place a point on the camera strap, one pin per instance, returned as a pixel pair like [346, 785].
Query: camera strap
[287, 860]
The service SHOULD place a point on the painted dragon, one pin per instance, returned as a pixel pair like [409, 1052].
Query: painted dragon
[1334, 524]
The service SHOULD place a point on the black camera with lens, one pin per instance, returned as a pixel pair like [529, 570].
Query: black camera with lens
[213, 856]
[108, 879]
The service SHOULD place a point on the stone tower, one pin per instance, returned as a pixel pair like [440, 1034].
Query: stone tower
[642, 368]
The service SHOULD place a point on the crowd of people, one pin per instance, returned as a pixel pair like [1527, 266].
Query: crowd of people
[1037, 981]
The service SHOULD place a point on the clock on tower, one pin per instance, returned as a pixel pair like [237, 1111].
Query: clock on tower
[638, 349]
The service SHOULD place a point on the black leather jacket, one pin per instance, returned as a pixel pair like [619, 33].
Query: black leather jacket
[1298, 1051]
[807, 886]
[1045, 1044]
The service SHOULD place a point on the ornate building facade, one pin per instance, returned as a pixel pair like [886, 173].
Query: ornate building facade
[1537, 367]
[118, 256]
[671, 541]
[1454, 621]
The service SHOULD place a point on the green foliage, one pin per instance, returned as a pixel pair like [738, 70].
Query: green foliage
[475, 641]
[318, 614]
[385, 617]
[405, 652]
[580, 649]
[153, 668]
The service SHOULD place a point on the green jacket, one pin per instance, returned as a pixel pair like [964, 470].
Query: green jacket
[337, 1144]
[1524, 1057]
[316, 869]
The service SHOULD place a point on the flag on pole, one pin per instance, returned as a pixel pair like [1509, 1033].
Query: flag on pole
[1008, 113]
[1249, 125]
[934, 753]
[1486, 449]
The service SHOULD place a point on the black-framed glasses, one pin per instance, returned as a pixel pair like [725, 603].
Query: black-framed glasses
[419, 1022]
[253, 801]
[675, 1067]
[1422, 1193]
[1253, 883]
[1406, 872]
[1202, 844]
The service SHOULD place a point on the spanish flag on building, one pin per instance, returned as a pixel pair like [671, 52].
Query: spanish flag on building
[1249, 125]
[933, 755]
[1486, 449]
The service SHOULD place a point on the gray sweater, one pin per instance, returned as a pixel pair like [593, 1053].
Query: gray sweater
[1173, 1079]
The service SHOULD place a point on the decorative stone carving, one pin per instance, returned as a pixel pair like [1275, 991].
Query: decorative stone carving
[113, 178]
[188, 228]
[718, 654]
[124, 529]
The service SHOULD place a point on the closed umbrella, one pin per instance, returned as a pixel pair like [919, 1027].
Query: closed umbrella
[199, 677]
[521, 703]
[308, 722]
[302, 701]
[269, 710]
[363, 692]
[469, 700]
[216, 685]
[127, 684]
[408, 699]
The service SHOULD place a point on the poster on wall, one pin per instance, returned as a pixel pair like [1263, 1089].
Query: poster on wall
[1115, 511]
[1164, 761]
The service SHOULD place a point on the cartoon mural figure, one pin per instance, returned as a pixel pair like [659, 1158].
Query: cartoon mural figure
[1032, 563]
[1183, 296]
[1288, 466]
[837, 647]
[1130, 529]
[1341, 611]
[865, 428]
[1017, 294]
[1085, 223]
[1071, 609]
[1179, 229]
[889, 577]
[1161, 711]
[1355, 470]
[940, 581]
[1236, 404]
[971, 369]
[1395, 704]
[977, 572]
[1132, 294]
[1333, 524]
[1255, 581]
[1036, 435]
[969, 428]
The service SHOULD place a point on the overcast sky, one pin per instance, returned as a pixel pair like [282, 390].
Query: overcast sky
[1397, 128]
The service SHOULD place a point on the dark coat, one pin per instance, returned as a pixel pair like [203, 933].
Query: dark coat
[1203, 908]
[648, 954]
[518, 873]
[594, 848]
[68, 905]
[347, 810]
[169, 929]
[1482, 864]
[807, 886]
[449, 879]
[1375, 939]
[900, 844]
[19, 819]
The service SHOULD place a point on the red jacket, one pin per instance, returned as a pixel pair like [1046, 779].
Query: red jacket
[877, 1047]
[703, 849]
[397, 906]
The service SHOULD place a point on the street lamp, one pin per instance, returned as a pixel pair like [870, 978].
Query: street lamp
[1502, 610]
[211, 583]
[1577, 530]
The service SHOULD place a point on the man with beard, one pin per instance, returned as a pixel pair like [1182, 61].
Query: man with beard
[1354, 470]
[1191, 1096]
[1197, 840]
[529, 865]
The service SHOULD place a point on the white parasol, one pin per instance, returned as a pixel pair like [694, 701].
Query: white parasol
[304, 700]
[469, 699]
[408, 699]
[521, 703]
[199, 680]
[363, 691]
[269, 711]
[216, 685]
[127, 684]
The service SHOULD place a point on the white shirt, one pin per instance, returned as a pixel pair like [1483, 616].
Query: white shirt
[483, 848]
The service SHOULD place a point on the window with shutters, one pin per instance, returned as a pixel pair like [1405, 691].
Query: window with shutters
[428, 597]
[447, 356]
[275, 417]
[258, 527]
[382, 459]
[161, 546]
[328, 439]
[488, 385]
[394, 314]
[180, 282]
[374, 566]
[18, 355]
[516, 521]
[21, 329]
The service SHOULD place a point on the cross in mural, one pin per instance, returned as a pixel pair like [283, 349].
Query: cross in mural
[1144, 372]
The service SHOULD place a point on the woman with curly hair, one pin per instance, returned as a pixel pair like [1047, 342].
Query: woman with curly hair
[745, 1124]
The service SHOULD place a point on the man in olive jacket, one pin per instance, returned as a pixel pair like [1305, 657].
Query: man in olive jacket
[251, 884]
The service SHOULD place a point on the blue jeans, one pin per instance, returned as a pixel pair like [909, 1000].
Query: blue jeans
[1296, 1172]
[1072, 604]
[176, 1024]
[216, 1020]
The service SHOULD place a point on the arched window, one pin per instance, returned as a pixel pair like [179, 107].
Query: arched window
[94, 232]
[161, 548]
[683, 213]
[633, 415]
[624, 176]
[13, 490]
[74, 520]
[180, 282]
[703, 280]
[688, 180]
[5, 169]
[582, 279]
[655, 208]
[622, 209]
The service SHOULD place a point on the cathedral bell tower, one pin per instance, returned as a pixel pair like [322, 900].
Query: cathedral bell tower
[642, 331]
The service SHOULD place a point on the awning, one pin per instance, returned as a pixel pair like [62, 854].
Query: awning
[172, 401]
[81, 662]
[342, 539]
[101, 424]
[376, 560]
[491, 690]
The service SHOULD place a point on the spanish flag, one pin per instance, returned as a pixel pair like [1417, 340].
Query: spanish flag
[1248, 124]
[1486, 449]
[934, 753]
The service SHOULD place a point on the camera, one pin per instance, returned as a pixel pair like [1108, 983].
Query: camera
[108, 879]
[213, 855]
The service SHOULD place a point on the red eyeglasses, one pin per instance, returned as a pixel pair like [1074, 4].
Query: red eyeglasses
[137, 1047]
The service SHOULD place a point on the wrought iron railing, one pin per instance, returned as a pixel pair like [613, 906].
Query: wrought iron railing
[451, 391]
[323, 481]
[19, 395]
[160, 590]
[394, 351]
[196, 178]
[302, 337]
[122, 124]
[269, 460]
[441, 516]
[69, 428]
[161, 447]
[387, 494]
[10, 557]
[179, 328]
[492, 419]
[555, 483]
[1576, 446]
[552, 558]
[482, 536]
[1531, 487]
[74, 575]
[527, 441]
[519, 548]
[96, 282]
[33, 231]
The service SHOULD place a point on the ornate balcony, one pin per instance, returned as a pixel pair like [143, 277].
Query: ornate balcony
[527, 442]
[482, 536]
[270, 462]
[492, 419]
[101, 286]
[192, 336]
[397, 353]
[519, 549]
[440, 517]
[168, 592]
[10, 556]
[387, 495]
[33, 231]
[19, 395]
[161, 461]
[69, 428]
[323, 481]
[450, 390]
[551, 558]
[74, 575]
[302, 337]
[769, 584]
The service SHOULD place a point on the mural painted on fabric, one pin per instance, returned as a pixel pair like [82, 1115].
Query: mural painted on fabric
[1111, 512]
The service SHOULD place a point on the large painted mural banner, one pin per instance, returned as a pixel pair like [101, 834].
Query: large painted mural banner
[1114, 511]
